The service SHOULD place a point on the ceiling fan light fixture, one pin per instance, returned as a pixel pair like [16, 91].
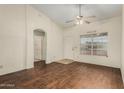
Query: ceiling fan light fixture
[79, 22]
[78, 17]
[81, 19]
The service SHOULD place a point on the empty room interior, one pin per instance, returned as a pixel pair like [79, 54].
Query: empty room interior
[62, 46]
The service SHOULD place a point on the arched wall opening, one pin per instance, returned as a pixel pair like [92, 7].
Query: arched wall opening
[40, 44]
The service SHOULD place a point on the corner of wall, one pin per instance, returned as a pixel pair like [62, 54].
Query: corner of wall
[122, 53]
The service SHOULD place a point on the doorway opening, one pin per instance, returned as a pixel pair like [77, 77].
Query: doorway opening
[39, 48]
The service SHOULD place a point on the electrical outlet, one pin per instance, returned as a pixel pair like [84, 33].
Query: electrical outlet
[1, 66]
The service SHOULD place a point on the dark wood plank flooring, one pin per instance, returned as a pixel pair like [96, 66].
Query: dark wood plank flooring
[39, 64]
[56, 75]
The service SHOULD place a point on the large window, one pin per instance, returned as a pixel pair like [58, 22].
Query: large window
[94, 44]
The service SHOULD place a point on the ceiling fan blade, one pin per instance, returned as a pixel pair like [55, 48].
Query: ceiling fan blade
[87, 22]
[69, 21]
[90, 17]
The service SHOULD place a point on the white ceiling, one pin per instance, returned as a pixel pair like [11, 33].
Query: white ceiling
[60, 13]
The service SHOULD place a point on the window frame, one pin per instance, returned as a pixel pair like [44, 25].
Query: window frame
[92, 35]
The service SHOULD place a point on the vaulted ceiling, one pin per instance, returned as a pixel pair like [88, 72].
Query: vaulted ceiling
[60, 13]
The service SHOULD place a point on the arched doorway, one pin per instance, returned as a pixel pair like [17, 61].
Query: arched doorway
[39, 48]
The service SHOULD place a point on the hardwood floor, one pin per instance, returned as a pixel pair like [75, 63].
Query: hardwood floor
[56, 75]
[39, 64]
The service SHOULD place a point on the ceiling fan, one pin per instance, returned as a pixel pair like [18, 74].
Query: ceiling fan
[80, 19]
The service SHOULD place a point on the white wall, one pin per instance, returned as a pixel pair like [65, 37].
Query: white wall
[122, 57]
[54, 34]
[17, 23]
[113, 26]
[12, 38]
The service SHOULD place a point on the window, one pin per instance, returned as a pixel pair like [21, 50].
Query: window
[94, 44]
